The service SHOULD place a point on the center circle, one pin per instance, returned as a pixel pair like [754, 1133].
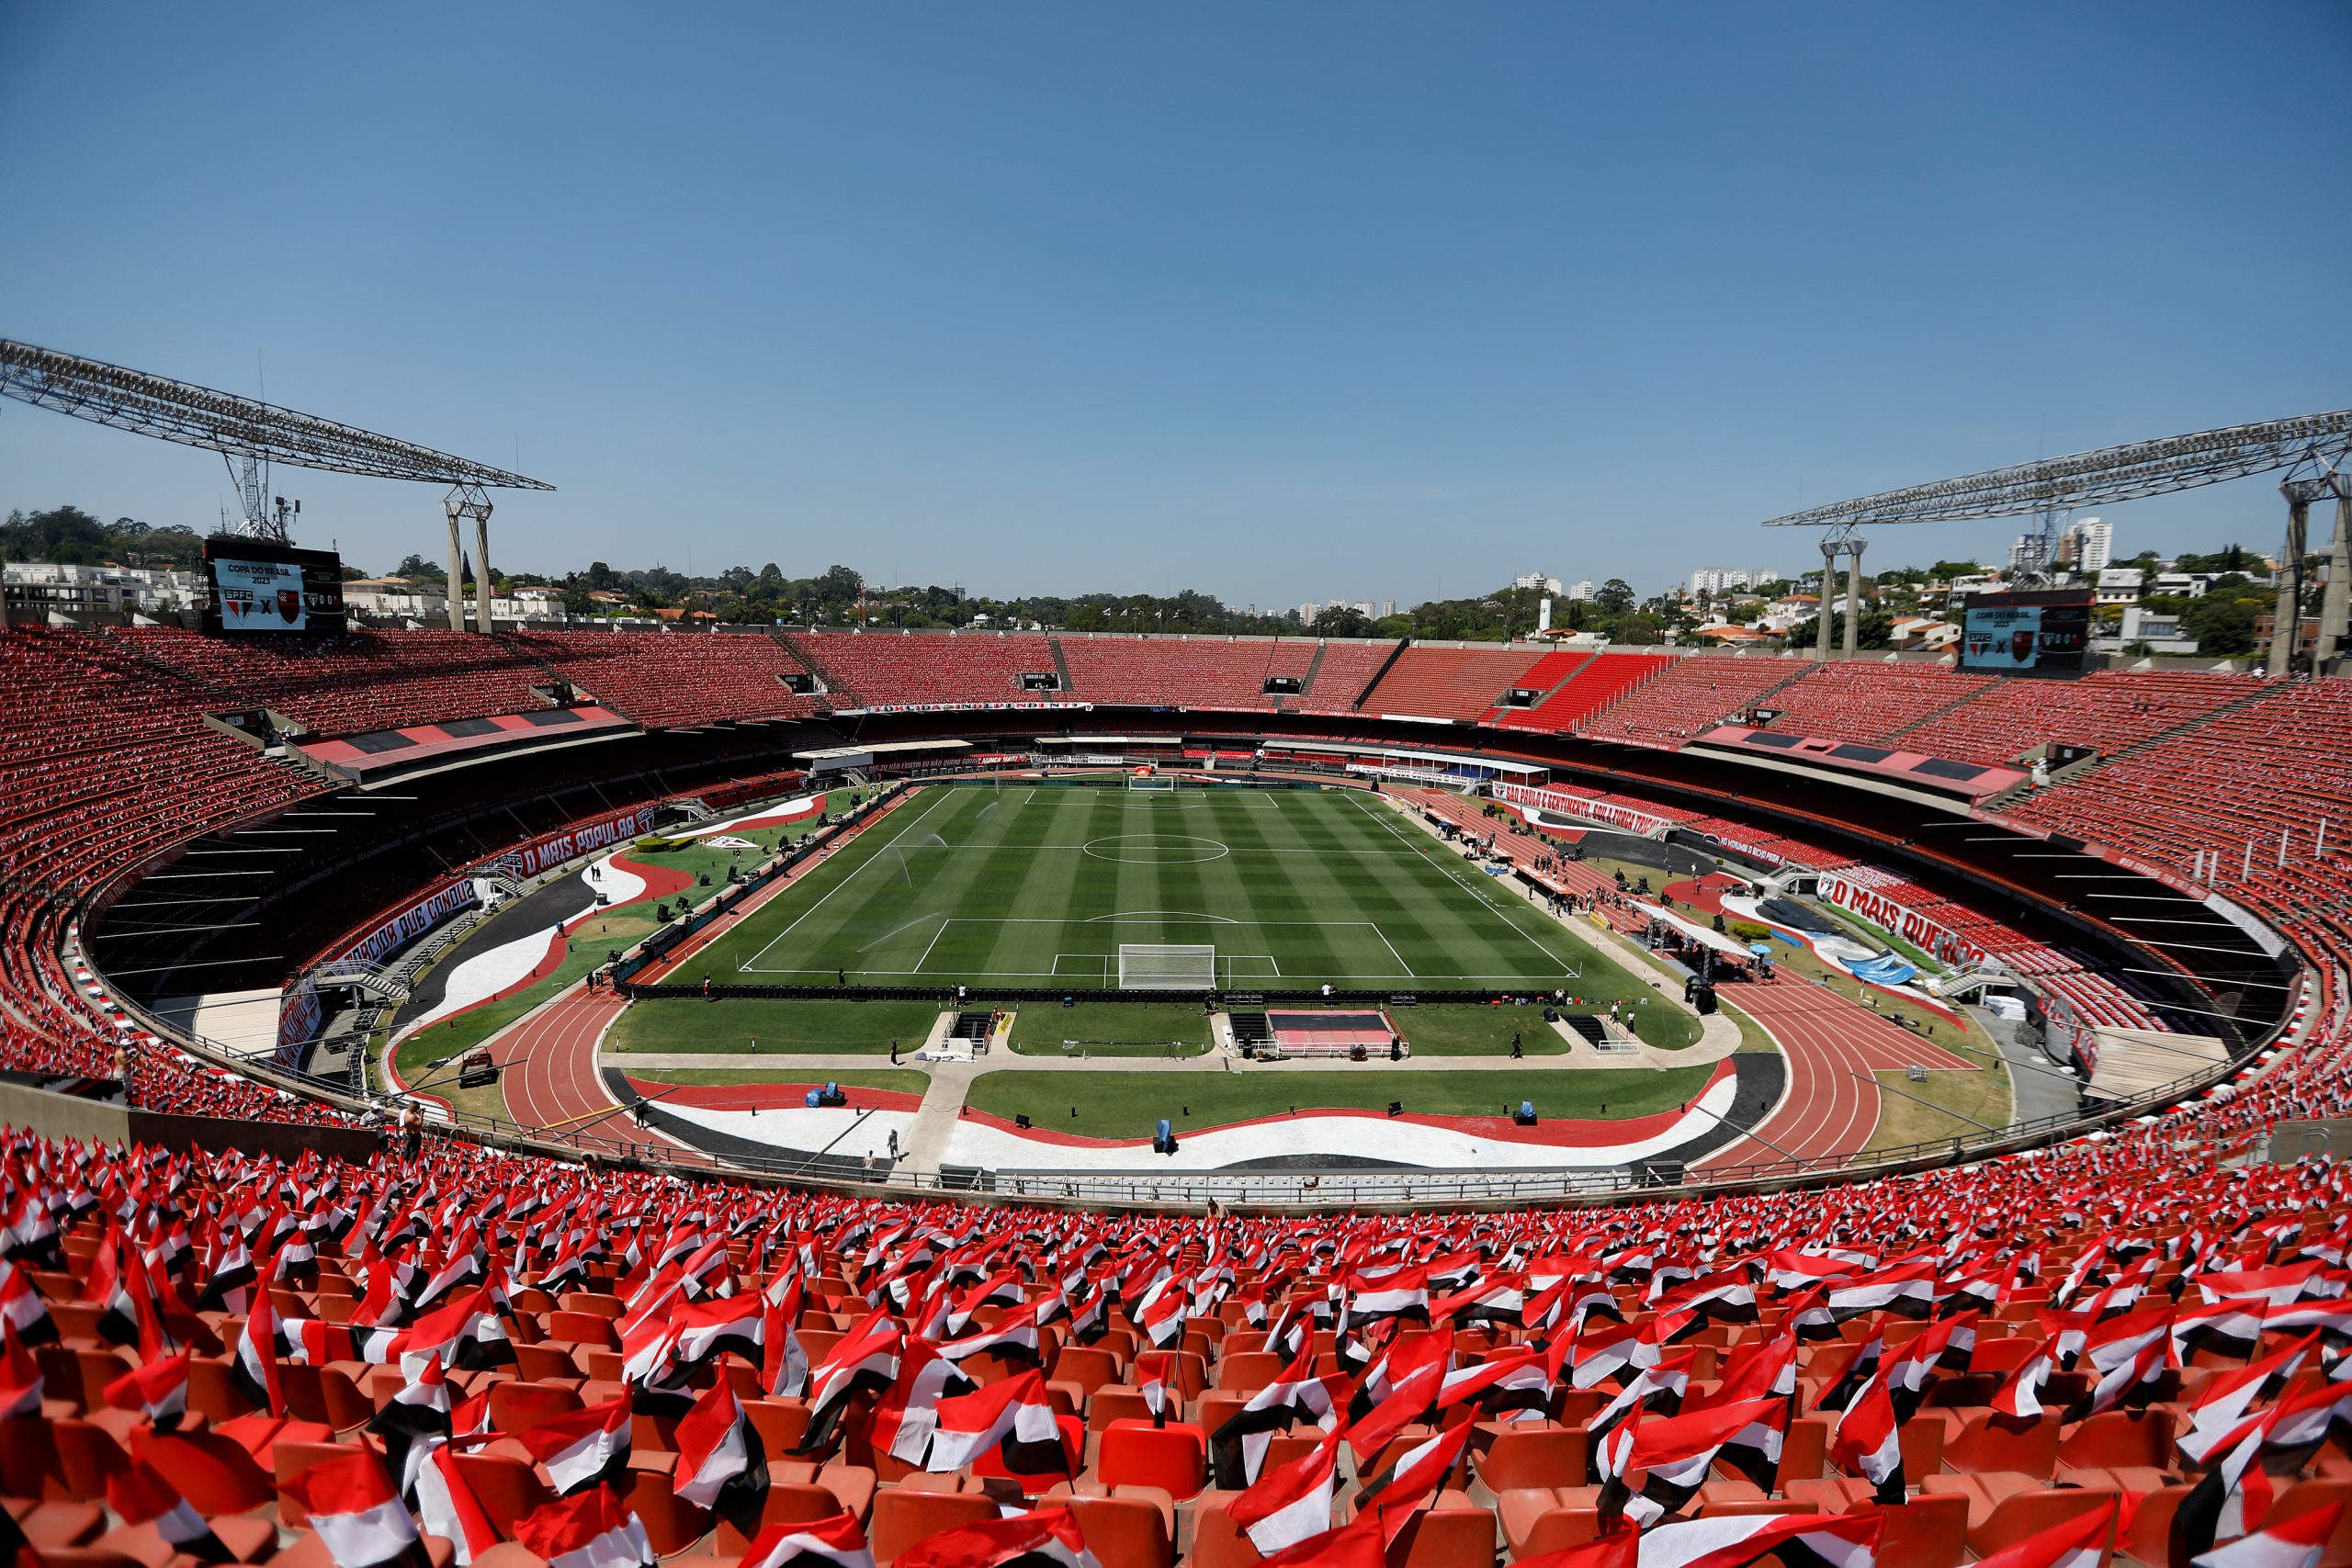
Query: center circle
[1156, 848]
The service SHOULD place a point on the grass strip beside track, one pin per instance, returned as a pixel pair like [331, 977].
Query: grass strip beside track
[1125, 1105]
[779, 1028]
[1110, 1029]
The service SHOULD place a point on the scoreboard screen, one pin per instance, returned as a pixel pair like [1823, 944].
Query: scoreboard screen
[2026, 634]
[253, 587]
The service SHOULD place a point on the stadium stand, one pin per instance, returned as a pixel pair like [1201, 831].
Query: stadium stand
[1943, 1368]
[2115, 1346]
[352, 684]
[1341, 674]
[1182, 673]
[1451, 682]
[888, 670]
[1690, 696]
[2108, 711]
[663, 679]
[1869, 702]
[2250, 786]
[1594, 682]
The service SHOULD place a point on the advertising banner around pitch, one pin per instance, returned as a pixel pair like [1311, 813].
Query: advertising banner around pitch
[298, 1016]
[1902, 919]
[259, 595]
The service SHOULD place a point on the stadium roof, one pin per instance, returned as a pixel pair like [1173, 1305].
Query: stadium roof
[222, 422]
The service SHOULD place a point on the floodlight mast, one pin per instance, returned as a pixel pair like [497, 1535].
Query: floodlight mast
[2316, 448]
[250, 435]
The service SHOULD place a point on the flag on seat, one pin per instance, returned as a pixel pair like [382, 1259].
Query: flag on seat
[1798, 1540]
[157, 1390]
[447, 1503]
[355, 1512]
[722, 1465]
[588, 1530]
[2299, 1542]
[837, 1542]
[1394, 1493]
[1652, 1465]
[1237, 1448]
[1014, 1414]
[138, 1494]
[580, 1448]
[253, 1361]
[1290, 1502]
[1866, 1443]
[2078, 1543]
[1049, 1538]
[1356, 1544]
[20, 1380]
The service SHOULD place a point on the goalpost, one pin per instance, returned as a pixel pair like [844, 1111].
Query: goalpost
[1154, 783]
[1163, 966]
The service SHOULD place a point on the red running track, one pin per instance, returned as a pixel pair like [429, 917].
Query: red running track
[547, 1073]
[1832, 1046]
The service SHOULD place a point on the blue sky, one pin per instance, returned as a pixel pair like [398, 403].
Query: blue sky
[1279, 302]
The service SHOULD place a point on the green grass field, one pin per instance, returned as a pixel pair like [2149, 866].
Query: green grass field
[1124, 1105]
[779, 1028]
[1042, 886]
[1110, 1029]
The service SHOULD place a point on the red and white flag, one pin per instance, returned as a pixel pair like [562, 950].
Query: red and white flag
[2299, 1542]
[590, 1531]
[1290, 1502]
[722, 1465]
[1051, 1536]
[1356, 1544]
[138, 1494]
[1866, 1442]
[157, 1390]
[837, 1542]
[1016, 1414]
[1394, 1493]
[2078, 1543]
[355, 1510]
[581, 1448]
[1812, 1541]
[447, 1505]
[21, 1382]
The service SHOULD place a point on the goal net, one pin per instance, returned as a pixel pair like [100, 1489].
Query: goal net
[1158, 966]
[1152, 782]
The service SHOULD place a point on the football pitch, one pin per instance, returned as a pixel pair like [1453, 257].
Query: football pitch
[1042, 885]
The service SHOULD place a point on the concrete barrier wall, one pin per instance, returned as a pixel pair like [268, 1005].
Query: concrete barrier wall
[66, 1116]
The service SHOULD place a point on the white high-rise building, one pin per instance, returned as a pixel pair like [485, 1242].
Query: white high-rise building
[1538, 581]
[1579, 593]
[1709, 581]
[2094, 540]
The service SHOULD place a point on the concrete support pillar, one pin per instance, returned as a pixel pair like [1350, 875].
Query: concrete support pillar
[1854, 598]
[2288, 615]
[481, 572]
[1828, 596]
[2336, 602]
[457, 576]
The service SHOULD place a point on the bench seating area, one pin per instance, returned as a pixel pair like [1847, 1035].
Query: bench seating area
[353, 685]
[668, 679]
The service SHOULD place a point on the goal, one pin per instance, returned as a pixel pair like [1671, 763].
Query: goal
[1155, 782]
[1158, 966]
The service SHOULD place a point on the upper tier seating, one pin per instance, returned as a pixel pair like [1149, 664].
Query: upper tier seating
[1595, 685]
[2106, 711]
[663, 679]
[895, 670]
[1689, 697]
[2280, 765]
[348, 685]
[1347, 669]
[1182, 673]
[1451, 682]
[1869, 702]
